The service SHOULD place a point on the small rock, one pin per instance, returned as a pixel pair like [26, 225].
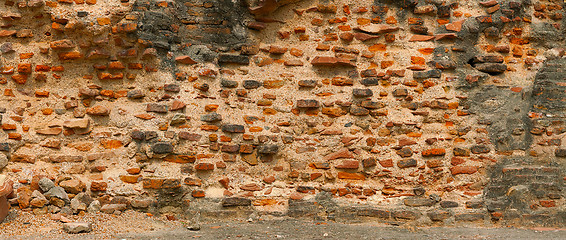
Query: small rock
[419, 191]
[493, 68]
[251, 84]
[77, 205]
[435, 197]
[435, 73]
[73, 186]
[232, 58]
[233, 128]
[172, 88]
[211, 117]
[162, 148]
[137, 135]
[228, 83]
[268, 149]
[236, 201]
[405, 163]
[57, 192]
[45, 184]
[438, 215]
[449, 204]
[94, 207]
[357, 92]
[178, 118]
[98, 111]
[7, 48]
[111, 208]
[76, 123]
[135, 94]
[194, 227]
[3, 161]
[158, 108]
[77, 227]
[373, 81]
[308, 103]
[307, 83]
[419, 202]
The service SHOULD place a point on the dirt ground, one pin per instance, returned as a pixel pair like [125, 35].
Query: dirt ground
[135, 225]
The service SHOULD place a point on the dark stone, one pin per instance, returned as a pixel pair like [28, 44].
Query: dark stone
[162, 148]
[435, 73]
[268, 149]
[492, 68]
[443, 11]
[228, 83]
[400, 92]
[7, 48]
[480, 149]
[88, 93]
[369, 162]
[137, 135]
[372, 212]
[308, 103]
[82, 13]
[419, 191]
[236, 201]
[370, 81]
[202, 86]
[305, 189]
[231, 58]
[438, 215]
[491, 32]
[57, 192]
[135, 94]
[419, 202]
[475, 204]
[5, 147]
[189, 136]
[358, 111]
[435, 197]
[372, 105]
[158, 108]
[251, 84]
[211, 117]
[404, 214]
[233, 128]
[357, 92]
[418, 29]
[449, 204]
[461, 152]
[307, 83]
[405, 152]
[172, 88]
[405, 163]
[443, 64]
[561, 152]
[230, 148]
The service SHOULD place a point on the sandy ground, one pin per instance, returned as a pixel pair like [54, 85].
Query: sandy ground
[136, 225]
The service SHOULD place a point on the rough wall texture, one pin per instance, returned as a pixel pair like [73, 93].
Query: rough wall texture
[426, 111]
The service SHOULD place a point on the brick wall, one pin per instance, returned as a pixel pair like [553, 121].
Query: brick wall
[437, 112]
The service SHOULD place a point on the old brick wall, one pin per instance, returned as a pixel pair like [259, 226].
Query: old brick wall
[428, 111]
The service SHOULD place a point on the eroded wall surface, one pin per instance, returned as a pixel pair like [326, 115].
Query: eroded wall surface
[437, 112]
